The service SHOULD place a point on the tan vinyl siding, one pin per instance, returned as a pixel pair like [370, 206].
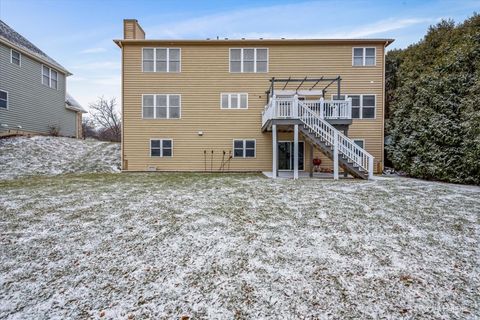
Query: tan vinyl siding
[205, 74]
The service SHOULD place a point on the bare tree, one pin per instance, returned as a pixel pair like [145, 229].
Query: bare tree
[88, 128]
[106, 116]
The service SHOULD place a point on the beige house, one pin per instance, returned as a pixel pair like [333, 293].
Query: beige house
[243, 105]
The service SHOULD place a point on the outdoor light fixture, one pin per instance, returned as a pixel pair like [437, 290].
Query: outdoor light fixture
[200, 133]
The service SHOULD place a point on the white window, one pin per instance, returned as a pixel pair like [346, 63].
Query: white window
[3, 99]
[363, 57]
[234, 100]
[161, 147]
[15, 57]
[363, 106]
[161, 106]
[161, 60]
[249, 60]
[49, 77]
[244, 148]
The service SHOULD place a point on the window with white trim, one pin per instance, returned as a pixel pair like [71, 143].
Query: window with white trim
[234, 100]
[161, 148]
[161, 60]
[249, 60]
[49, 77]
[161, 106]
[15, 57]
[244, 148]
[3, 99]
[363, 57]
[363, 105]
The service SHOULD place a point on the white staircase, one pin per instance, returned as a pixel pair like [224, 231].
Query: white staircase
[341, 149]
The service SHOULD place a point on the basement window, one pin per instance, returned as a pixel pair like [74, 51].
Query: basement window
[249, 60]
[15, 57]
[244, 148]
[161, 60]
[3, 99]
[234, 100]
[360, 143]
[161, 147]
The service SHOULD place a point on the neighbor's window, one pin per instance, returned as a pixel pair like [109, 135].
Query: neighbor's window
[161, 106]
[363, 56]
[161, 147]
[234, 100]
[49, 77]
[244, 148]
[161, 60]
[249, 60]
[3, 99]
[363, 106]
[15, 57]
[360, 143]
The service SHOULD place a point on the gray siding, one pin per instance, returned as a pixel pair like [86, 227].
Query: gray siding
[31, 104]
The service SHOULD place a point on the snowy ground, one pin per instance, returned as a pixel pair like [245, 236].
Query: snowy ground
[237, 246]
[22, 157]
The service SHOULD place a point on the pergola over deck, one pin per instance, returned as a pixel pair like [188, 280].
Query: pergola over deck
[299, 83]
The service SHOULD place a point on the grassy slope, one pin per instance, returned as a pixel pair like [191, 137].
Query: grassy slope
[223, 246]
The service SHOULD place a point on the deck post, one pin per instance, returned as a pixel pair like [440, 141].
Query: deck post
[311, 160]
[335, 155]
[295, 106]
[295, 151]
[274, 151]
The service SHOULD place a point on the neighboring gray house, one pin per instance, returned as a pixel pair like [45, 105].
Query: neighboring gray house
[33, 98]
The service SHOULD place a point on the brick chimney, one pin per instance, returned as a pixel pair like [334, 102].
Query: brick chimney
[132, 30]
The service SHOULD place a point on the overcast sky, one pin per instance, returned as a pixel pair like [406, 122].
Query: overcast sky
[78, 33]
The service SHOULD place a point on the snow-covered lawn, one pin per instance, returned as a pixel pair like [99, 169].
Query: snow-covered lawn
[39, 155]
[237, 246]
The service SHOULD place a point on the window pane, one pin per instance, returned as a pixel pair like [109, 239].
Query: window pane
[155, 143]
[45, 71]
[248, 54]
[358, 52]
[235, 54]
[155, 153]
[233, 101]
[370, 61]
[250, 153]
[355, 101]
[161, 100]
[248, 66]
[368, 113]
[175, 112]
[357, 61]
[262, 66]
[341, 97]
[148, 66]
[238, 153]
[167, 143]
[147, 54]
[167, 152]
[161, 66]
[3, 104]
[174, 55]
[262, 55]
[368, 101]
[46, 80]
[174, 66]
[54, 84]
[161, 55]
[358, 143]
[16, 54]
[250, 144]
[224, 100]
[370, 52]
[243, 101]
[238, 144]
[54, 75]
[355, 112]
[148, 100]
[174, 100]
[161, 112]
[3, 95]
[148, 112]
[235, 66]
